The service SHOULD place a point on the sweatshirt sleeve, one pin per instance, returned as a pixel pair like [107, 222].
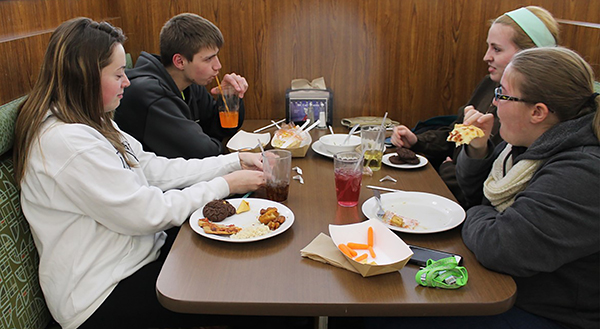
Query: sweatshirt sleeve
[433, 142]
[157, 195]
[170, 133]
[557, 211]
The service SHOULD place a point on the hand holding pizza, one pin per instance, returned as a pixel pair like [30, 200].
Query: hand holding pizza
[484, 123]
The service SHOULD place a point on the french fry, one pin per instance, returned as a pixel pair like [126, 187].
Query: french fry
[353, 245]
[371, 252]
[370, 236]
[349, 252]
[361, 257]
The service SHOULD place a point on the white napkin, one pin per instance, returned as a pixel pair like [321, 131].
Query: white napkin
[322, 249]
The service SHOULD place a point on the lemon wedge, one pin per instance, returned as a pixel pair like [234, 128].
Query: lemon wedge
[243, 207]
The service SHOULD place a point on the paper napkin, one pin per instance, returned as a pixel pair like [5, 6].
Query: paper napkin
[322, 249]
[318, 83]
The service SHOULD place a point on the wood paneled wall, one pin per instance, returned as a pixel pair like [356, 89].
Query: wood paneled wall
[413, 58]
[25, 30]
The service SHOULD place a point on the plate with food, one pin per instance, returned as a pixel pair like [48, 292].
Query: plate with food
[416, 212]
[394, 160]
[241, 220]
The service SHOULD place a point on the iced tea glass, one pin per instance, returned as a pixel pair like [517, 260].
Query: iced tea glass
[372, 143]
[347, 168]
[277, 166]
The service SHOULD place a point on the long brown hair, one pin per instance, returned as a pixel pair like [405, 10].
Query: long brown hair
[559, 78]
[69, 85]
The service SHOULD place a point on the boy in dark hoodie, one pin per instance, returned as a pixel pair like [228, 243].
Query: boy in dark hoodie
[167, 107]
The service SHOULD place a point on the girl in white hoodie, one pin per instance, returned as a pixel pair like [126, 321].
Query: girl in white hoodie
[97, 204]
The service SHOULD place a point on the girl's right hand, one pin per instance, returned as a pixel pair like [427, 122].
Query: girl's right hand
[243, 181]
[485, 122]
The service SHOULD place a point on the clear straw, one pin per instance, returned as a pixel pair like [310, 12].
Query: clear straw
[382, 129]
[222, 95]
[262, 149]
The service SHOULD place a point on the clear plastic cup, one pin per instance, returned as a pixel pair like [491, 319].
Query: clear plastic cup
[347, 168]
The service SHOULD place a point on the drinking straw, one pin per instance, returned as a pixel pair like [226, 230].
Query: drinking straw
[382, 129]
[262, 149]
[276, 124]
[271, 125]
[222, 95]
[382, 125]
[351, 133]
[331, 130]
[305, 124]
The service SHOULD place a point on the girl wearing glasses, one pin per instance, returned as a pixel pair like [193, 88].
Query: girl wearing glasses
[539, 220]
[519, 29]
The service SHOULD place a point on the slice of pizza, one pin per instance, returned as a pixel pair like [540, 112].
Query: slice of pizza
[464, 134]
[220, 229]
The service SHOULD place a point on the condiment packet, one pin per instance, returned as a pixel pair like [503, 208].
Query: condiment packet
[388, 177]
[298, 170]
[299, 178]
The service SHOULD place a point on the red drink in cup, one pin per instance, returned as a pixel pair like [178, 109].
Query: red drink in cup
[347, 168]
[347, 187]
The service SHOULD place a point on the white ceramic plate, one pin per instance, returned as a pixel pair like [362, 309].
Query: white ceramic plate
[386, 160]
[433, 212]
[246, 219]
[319, 148]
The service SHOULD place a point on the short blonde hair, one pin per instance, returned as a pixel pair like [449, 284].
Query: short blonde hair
[520, 38]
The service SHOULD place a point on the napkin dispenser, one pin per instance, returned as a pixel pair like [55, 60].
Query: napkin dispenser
[309, 100]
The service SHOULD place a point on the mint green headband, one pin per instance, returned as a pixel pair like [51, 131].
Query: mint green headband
[533, 26]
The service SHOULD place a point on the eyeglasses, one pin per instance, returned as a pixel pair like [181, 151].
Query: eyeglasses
[498, 95]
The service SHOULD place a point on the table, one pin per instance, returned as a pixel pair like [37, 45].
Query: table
[269, 277]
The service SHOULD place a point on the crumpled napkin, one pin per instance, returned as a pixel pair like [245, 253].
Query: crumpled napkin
[318, 83]
[322, 249]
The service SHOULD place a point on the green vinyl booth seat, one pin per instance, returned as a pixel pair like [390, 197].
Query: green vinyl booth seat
[22, 303]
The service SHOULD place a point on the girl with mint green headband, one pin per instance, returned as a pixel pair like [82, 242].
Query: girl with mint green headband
[534, 27]
[511, 32]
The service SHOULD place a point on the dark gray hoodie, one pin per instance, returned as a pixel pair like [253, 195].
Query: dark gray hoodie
[154, 112]
[548, 240]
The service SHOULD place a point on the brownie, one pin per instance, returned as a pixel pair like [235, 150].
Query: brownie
[404, 156]
[217, 210]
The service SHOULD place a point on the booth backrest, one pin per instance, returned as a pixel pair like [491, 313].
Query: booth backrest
[22, 303]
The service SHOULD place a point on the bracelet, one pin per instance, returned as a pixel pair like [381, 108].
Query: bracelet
[444, 273]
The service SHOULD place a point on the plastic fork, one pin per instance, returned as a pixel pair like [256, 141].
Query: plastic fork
[380, 211]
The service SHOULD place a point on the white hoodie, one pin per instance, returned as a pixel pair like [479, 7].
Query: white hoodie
[95, 221]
